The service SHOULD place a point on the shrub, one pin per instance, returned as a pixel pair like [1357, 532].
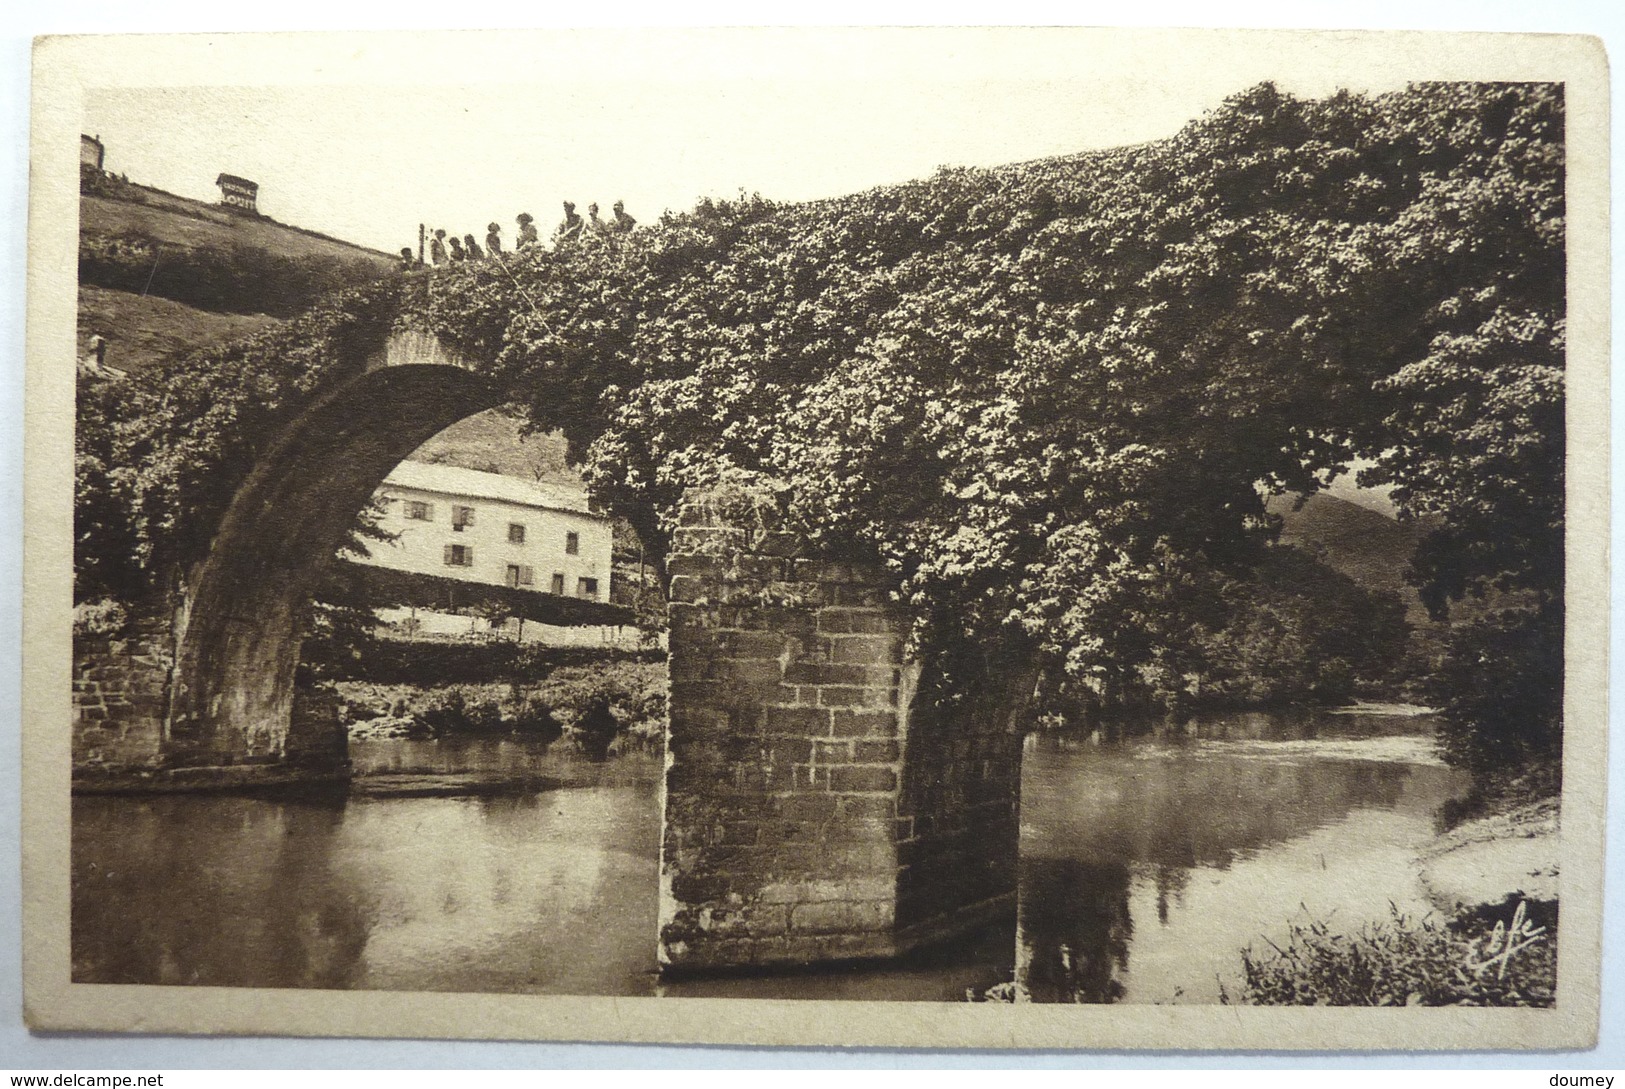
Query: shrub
[99, 618]
[1410, 962]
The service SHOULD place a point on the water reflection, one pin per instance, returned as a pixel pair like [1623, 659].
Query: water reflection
[486, 894]
[1149, 859]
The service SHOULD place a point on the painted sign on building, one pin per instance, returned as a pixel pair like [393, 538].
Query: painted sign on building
[238, 192]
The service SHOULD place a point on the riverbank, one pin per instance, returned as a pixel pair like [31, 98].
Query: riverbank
[1514, 854]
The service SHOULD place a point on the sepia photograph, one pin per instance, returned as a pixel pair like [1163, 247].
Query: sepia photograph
[907, 537]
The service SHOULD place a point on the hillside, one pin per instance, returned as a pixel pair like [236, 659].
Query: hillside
[180, 221]
[491, 443]
[161, 274]
[1368, 547]
[143, 329]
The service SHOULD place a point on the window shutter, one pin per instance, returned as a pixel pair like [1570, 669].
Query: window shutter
[527, 577]
[451, 559]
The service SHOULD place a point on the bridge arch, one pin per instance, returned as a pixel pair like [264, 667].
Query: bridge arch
[238, 636]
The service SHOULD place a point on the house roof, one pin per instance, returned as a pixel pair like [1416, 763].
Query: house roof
[454, 481]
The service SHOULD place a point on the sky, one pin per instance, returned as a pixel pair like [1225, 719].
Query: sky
[478, 128]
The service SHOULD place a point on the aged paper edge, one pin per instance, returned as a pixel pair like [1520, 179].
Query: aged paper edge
[66, 67]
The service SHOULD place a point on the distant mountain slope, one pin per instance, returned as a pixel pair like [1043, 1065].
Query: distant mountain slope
[490, 442]
[1370, 548]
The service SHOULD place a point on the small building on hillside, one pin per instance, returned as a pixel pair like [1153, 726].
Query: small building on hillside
[491, 529]
[91, 153]
[238, 192]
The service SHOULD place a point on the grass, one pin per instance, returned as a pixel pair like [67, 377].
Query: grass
[181, 221]
[143, 329]
[1468, 961]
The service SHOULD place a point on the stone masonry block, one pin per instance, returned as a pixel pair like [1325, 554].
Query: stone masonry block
[691, 563]
[876, 752]
[753, 644]
[829, 751]
[867, 649]
[839, 916]
[860, 778]
[864, 723]
[807, 721]
[707, 540]
[686, 618]
[747, 671]
[816, 673]
[818, 808]
[863, 696]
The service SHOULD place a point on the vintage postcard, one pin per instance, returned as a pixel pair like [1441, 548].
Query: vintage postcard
[938, 538]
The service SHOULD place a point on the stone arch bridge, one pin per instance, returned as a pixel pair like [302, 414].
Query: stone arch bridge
[820, 803]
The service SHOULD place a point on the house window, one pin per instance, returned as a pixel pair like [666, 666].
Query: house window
[520, 575]
[516, 533]
[557, 586]
[587, 588]
[572, 544]
[459, 556]
[461, 518]
[418, 511]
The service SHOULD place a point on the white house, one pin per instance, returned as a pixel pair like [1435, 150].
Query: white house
[492, 529]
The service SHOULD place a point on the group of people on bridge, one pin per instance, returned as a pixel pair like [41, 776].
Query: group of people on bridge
[444, 250]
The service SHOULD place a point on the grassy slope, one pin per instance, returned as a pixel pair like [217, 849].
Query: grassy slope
[183, 222]
[490, 442]
[143, 329]
[140, 330]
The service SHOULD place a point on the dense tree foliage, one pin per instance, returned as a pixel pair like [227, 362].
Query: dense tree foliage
[1052, 397]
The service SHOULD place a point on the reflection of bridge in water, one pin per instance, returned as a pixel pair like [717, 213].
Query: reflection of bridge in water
[556, 892]
[820, 803]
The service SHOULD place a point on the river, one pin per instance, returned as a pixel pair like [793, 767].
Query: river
[1149, 858]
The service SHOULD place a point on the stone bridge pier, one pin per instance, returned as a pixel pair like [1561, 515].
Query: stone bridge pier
[825, 799]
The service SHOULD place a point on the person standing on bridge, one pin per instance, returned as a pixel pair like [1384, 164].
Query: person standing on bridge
[457, 253]
[493, 239]
[622, 223]
[570, 225]
[527, 231]
[595, 226]
[437, 248]
[472, 248]
[408, 262]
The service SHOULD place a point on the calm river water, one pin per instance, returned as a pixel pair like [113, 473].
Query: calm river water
[1147, 862]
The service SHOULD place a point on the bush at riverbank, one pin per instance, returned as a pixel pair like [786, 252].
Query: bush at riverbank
[612, 703]
[1501, 956]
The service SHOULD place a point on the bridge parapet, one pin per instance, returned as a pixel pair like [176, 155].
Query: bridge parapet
[820, 805]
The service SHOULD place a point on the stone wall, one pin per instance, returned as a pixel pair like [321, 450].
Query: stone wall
[123, 740]
[816, 809]
[120, 699]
